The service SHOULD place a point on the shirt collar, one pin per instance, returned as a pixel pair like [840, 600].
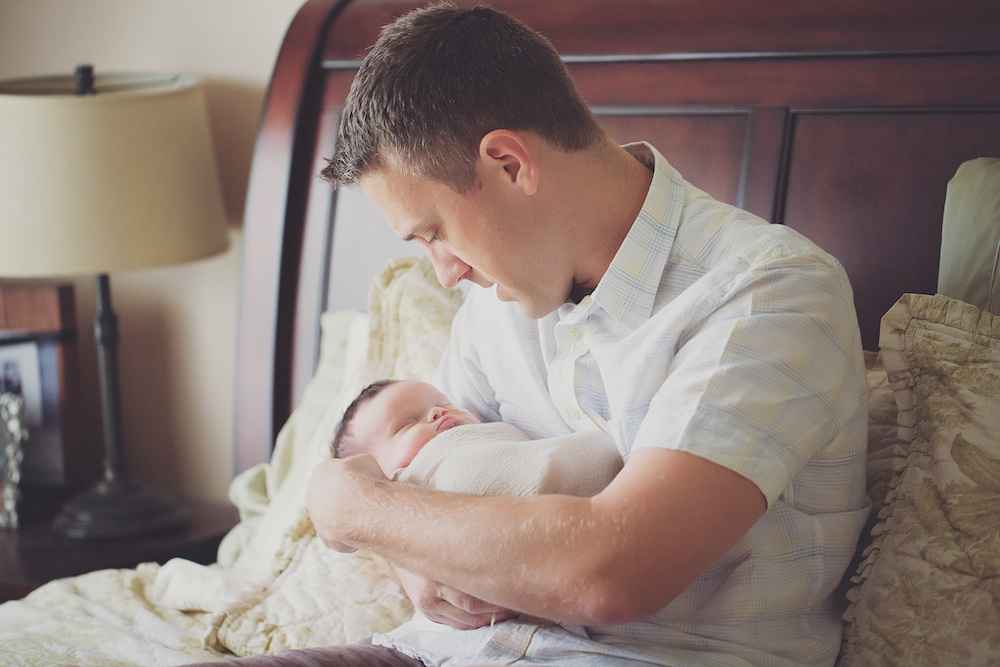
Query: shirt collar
[628, 289]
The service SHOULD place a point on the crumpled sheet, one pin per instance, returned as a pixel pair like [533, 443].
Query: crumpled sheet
[316, 597]
[103, 618]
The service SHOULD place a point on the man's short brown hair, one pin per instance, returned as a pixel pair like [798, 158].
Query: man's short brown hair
[438, 80]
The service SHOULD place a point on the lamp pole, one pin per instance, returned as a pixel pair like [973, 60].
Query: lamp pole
[115, 508]
[106, 337]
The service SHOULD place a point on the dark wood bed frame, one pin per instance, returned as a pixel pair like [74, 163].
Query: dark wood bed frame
[843, 119]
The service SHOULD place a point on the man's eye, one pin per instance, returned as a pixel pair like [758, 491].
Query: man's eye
[436, 237]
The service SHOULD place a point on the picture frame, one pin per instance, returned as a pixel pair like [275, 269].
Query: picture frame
[38, 361]
[20, 374]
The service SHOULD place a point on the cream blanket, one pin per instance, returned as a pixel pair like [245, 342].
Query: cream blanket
[500, 460]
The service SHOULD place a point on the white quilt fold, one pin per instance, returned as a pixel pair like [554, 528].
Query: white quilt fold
[188, 586]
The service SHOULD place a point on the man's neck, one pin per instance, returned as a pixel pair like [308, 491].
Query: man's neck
[611, 190]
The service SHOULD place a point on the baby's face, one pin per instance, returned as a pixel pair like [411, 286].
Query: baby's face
[401, 419]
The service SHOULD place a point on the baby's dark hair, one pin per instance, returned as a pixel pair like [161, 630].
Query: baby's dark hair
[341, 439]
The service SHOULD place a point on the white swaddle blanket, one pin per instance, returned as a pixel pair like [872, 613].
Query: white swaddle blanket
[497, 459]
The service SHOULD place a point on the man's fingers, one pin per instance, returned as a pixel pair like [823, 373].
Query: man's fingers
[472, 606]
[448, 606]
[465, 612]
[447, 614]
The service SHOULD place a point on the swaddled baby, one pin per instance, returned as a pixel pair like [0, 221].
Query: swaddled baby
[416, 435]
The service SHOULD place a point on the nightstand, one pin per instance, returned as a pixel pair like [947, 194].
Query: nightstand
[33, 554]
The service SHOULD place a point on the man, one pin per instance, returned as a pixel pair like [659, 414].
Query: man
[722, 353]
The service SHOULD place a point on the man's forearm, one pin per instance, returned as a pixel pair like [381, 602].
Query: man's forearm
[487, 547]
[569, 559]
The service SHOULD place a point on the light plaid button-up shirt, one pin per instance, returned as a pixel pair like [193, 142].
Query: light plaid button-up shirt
[714, 333]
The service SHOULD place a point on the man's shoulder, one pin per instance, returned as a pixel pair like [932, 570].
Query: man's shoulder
[711, 231]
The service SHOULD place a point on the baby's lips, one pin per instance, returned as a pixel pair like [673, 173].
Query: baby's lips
[446, 423]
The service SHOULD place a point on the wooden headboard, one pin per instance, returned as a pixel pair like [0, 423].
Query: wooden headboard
[843, 119]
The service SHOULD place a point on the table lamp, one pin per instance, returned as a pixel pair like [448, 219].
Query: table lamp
[100, 174]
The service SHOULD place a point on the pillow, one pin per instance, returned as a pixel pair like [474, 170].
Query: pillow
[970, 234]
[411, 320]
[255, 492]
[928, 589]
[304, 594]
[882, 430]
[270, 495]
[402, 335]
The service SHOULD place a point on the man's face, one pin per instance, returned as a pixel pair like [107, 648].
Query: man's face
[402, 418]
[489, 237]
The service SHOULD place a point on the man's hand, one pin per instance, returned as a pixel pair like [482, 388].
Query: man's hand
[332, 486]
[445, 605]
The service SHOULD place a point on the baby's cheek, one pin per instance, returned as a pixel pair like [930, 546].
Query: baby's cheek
[415, 444]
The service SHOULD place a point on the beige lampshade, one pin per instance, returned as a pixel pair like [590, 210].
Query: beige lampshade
[121, 179]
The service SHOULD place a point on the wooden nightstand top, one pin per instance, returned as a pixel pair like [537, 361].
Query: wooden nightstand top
[34, 555]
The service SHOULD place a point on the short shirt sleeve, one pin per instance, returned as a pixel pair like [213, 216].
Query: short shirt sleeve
[769, 377]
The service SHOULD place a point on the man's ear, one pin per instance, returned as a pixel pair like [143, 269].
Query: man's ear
[505, 154]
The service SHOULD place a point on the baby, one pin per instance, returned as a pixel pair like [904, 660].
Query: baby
[417, 436]
[409, 427]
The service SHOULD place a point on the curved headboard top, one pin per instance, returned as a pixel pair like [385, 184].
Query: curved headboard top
[843, 119]
[675, 28]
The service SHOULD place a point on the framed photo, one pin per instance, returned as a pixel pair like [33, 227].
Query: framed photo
[21, 370]
[20, 373]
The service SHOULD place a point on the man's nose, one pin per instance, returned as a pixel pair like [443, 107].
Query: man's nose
[449, 268]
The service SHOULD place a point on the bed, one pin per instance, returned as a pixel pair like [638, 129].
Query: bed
[843, 120]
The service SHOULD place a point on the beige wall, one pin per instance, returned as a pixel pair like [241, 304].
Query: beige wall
[177, 323]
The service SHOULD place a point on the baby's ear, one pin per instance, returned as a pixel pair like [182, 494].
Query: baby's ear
[338, 448]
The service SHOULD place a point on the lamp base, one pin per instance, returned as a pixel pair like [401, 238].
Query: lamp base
[119, 511]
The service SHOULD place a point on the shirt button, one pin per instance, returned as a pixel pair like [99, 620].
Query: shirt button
[573, 334]
[573, 413]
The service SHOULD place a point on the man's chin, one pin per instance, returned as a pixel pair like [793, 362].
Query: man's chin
[530, 309]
